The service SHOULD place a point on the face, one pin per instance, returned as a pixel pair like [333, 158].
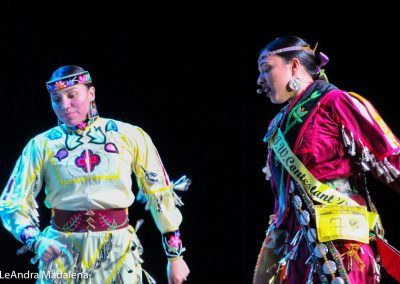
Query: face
[274, 76]
[71, 105]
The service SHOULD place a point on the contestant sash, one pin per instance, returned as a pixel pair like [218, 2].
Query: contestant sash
[354, 215]
[317, 190]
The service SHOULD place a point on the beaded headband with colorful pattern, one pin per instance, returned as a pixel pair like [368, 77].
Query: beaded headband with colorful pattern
[68, 81]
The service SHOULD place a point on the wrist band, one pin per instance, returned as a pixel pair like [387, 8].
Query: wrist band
[172, 244]
[29, 236]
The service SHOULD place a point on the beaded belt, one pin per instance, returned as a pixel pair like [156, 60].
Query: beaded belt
[89, 220]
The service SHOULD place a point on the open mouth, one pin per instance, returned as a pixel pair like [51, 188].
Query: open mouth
[267, 90]
[264, 90]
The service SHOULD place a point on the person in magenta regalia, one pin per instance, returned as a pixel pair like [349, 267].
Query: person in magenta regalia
[325, 227]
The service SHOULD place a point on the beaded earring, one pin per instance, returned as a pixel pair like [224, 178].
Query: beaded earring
[294, 85]
[93, 113]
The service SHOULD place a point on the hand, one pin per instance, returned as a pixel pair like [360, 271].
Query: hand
[177, 271]
[49, 249]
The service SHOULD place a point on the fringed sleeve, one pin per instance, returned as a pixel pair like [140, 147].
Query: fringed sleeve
[154, 184]
[18, 207]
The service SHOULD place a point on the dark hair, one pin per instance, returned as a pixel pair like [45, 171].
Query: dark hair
[66, 71]
[309, 60]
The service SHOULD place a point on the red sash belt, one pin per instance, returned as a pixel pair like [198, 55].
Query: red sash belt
[89, 220]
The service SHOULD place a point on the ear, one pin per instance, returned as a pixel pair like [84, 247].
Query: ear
[92, 94]
[295, 65]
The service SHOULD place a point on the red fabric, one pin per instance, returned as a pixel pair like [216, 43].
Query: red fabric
[89, 220]
[321, 147]
[390, 258]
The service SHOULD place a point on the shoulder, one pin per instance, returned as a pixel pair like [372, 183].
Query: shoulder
[338, 100]
[345, 106]
[124, 128]
[50, 134]
[117, 125]
[334, 95]
[39, 141]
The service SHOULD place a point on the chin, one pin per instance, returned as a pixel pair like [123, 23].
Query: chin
[70, 123]
[277, 101]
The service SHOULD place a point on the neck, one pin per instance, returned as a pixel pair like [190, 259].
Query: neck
[82, 125]
[304, 84]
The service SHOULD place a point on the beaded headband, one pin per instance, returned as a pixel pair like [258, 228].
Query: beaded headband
[292, 48]
[323, 58]
[68, 81]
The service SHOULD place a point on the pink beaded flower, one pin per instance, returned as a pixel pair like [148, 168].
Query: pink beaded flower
[174, 241]
[82, 79]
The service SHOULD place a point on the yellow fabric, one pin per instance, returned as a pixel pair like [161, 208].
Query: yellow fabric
[342, 223]
[121, 262]
[119, 148]
[388, 133]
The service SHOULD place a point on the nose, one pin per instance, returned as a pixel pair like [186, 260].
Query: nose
[260, 80]
[65, 104]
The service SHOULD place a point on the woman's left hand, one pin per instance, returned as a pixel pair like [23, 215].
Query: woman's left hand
[177, 271]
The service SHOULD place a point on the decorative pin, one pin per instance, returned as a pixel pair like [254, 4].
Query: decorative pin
[292, 187]
[320, 250]
[297, 202]
[312, 235]
[329, 267]
[304, 218]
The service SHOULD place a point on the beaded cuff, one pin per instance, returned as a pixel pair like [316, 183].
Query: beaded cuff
[172, 244]
[29, 236]
[68, 81]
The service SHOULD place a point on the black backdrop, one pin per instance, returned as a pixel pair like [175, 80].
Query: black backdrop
[187, 74]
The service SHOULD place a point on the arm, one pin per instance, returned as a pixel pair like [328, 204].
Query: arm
[18, 207]
[365, 132]
[156, 188]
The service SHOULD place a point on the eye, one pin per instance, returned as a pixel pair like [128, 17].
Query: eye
[71, 95]
[266, 69]
[56, 99]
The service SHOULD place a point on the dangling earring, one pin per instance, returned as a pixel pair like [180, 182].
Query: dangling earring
[294, 85]
[93, 113]
[59, 122]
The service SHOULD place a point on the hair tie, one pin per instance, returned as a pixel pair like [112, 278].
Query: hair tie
[323, 59]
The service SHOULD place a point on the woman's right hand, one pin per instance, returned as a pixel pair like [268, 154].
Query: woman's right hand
[48, 249]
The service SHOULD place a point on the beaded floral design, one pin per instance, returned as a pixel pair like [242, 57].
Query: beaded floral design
[87, 161]
[73, 222]
[68, 81]
[173, 244]
[107, 222]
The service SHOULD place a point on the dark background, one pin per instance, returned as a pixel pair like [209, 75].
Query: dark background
[186, 73]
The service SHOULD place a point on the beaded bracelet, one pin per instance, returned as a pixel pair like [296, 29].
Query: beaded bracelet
[30, 236]
[172, 244]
